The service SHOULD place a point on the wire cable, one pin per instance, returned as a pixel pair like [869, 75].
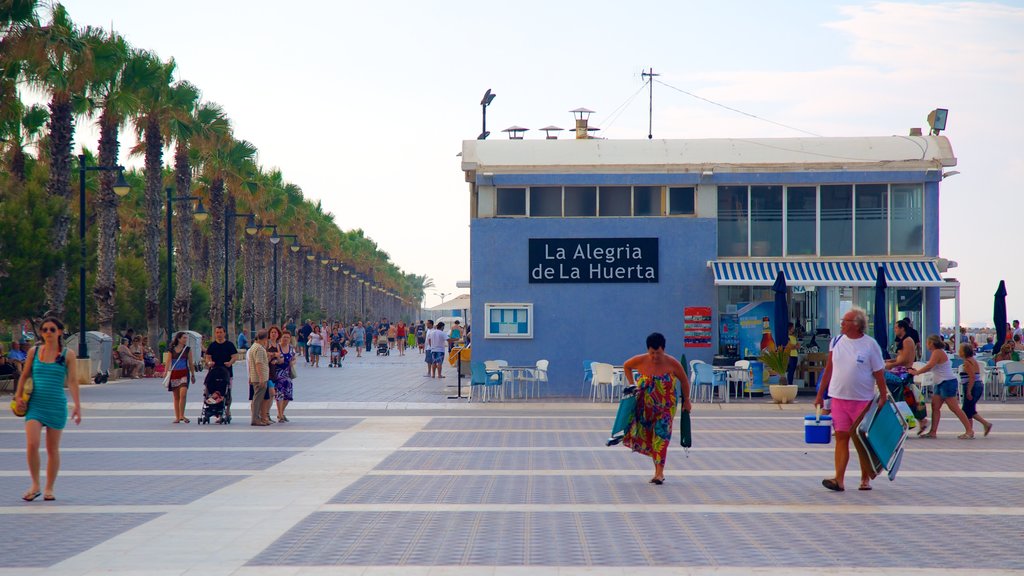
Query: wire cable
[621, 108]
[731, 109]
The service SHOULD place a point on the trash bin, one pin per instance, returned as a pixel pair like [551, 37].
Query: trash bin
[100, 348]
[195, 344]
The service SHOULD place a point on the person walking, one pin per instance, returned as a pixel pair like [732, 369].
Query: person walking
[854, 369]
[371, 335]
[401, 336]
[274, 360]
[182, 374]
[437, 344]
[315, 346]
[973, 386]
[283, 378]
[898, 379]
[941, 366]
[651, 429]
[222, 352]
[392, 336]
[304, 333]
[426, 348]
[421, 334]
[259, 373]
[51, 367]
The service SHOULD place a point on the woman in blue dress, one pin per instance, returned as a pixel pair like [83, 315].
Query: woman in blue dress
[282, 376]
[51, 366]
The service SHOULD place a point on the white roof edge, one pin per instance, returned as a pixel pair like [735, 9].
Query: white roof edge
[725, 154]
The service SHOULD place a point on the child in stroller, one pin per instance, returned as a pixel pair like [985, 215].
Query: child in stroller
[216, 396]
[382, 347]
[338, 353]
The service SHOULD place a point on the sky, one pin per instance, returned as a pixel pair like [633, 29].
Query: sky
[365, 105]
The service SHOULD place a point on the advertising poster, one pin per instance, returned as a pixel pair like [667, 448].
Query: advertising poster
[697, 327]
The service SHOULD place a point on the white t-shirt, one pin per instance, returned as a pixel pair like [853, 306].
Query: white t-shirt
[437, 341]
[854, 362]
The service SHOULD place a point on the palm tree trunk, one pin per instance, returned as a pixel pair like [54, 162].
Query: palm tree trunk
[183, 256]
[107, 226]
[154, 184]
[216, 251]
[61, 136]
[248, 283]
[17, 162]
[295, 287]
[234, 253]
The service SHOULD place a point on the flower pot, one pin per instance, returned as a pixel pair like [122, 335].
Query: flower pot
[782, 393]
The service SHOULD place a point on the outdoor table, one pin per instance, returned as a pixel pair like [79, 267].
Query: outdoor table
[728, 371]
[512, 375]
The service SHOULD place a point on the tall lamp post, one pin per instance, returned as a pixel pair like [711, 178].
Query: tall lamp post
[200, 216]
[274, 239]
[295, 247]
[250, 229]
[121, 188]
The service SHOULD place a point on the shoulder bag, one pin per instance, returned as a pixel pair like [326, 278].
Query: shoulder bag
[26, 393]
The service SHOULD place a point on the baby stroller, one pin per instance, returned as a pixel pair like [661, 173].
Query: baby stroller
[216, 396]
[338, 353]
[382, 347]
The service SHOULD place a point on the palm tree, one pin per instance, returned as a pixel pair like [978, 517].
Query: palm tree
[116, 100]
[183, 123]
[56, 59]
[20, 127]
[154, 83]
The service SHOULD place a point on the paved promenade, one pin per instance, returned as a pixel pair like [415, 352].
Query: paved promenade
[378, 473]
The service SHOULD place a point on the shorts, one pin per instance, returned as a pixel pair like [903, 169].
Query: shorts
[436, 357]
[360, 343]
[971, 406]
[946, 388]
[315, 350]
[845, 412]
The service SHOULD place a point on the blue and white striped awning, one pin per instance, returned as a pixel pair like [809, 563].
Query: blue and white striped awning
[899, 274]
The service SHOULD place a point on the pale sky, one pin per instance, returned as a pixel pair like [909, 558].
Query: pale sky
[365, 104]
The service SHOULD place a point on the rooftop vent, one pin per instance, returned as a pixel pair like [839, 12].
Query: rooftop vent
[515, 132]
[548, 132]
[582, 116]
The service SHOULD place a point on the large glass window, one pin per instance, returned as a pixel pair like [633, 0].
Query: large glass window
[614, 201]
[907, 225]
[837, 220]
[580, 201]
[511, 202]
[647, 201]
[766, 220]
[872, 219]
[732, 220]
[546, 201]
[681, 201]
[801, 220]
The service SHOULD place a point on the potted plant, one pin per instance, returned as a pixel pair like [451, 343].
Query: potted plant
[776, 359]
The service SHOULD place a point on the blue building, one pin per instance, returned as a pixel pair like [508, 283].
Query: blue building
[580, 248]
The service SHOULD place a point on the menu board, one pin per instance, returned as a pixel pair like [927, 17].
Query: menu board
[697, 327]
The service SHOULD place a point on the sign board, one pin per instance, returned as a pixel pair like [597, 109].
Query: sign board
[697, 327]
[513, 320]
[593, 260]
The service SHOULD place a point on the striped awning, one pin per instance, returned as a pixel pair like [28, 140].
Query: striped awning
[899, 274]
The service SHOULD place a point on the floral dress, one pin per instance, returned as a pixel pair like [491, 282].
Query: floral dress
[651, 429]
[282, 379]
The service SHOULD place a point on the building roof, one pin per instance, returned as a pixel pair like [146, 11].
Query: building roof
[719, 154]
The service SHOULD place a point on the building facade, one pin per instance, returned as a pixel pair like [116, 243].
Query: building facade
[580, 248]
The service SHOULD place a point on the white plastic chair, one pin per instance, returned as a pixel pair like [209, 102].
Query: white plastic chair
[535, 377]
[741, 378]
[604, 375]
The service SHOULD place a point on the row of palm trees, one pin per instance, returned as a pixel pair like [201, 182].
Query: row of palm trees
[92, 75]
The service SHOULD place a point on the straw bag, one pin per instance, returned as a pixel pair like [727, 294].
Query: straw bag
[26, 393]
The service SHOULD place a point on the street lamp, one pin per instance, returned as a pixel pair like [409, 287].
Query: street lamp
[250, 229]
[121, 188]
[274, 239]
[200, 215]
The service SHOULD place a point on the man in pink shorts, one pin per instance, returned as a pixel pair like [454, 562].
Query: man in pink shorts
[854, 369]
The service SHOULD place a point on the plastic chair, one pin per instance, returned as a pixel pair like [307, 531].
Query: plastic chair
[588, 375]
[477, 379]
[604, 375]
[535, 377]
[706, 377]
[494, 380]
[693, 373]
[742, 379]
[1013, 377]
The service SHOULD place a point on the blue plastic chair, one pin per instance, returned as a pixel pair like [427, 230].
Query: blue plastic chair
[1013, 377]
[705, 376]
[486, 380]
[588, 377]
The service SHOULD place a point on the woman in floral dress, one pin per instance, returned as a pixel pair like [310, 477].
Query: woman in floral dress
[651, 429]
[282, 379]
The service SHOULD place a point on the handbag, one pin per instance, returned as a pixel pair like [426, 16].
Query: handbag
[291, 372]
[26, 393]
[167, 377]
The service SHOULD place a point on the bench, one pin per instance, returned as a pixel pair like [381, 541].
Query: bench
[8, 382]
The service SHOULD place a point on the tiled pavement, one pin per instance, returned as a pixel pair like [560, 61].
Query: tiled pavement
[378, 473]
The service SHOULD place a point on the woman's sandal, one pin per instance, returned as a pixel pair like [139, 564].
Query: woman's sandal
[186, 420]
[988, 428]
[30, 496]
[831, 484]
[966, 436]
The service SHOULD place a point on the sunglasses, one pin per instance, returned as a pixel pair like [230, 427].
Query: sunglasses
[46, 329]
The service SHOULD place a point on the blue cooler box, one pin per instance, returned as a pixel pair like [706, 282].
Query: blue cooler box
[817, 431]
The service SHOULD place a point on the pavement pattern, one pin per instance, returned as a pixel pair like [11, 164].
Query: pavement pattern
[379, 473]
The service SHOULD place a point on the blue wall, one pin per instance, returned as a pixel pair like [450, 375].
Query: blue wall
[596, 322]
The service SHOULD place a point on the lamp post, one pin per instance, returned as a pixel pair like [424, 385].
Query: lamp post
[200, 215]
[250, 229]
[274, 239]
[295, 247]
[121, 188]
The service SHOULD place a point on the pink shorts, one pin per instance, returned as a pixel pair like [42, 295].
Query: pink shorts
[846, 412]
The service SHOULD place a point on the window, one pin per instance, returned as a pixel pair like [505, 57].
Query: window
[546, 201]
[801, 220]
[732, 220]
[614, 201]
[681, 201]
[580, 201]
[766, 220]
[872, 219]
[837, 220]
[907, 224]
[511, 202]
[647, 201]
